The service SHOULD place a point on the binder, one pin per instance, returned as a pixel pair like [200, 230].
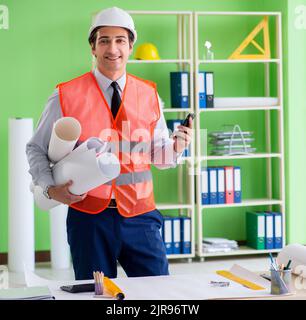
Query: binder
[202, 93]
[229, 184]
[268, 230]
[277, 230]
[221, 185]
[255, 228]
[179, 89]
[212, 185]
[185, 235]
[167, 234]
[176, 235]
[209, 86]
[204, 186]
[237, 184]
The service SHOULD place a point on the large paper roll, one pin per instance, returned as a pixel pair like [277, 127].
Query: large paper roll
[86, 170]
[65, 134]
[21, 202]
[297, 254]
[60, 253]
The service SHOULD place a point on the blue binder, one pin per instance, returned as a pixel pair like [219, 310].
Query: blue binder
[237, 184]
[221, 185]
[209, 89]
[277, 230]
[179, 89]
[185, 235]
[176, 235]
[269, 230]
[204, 186]
[212, 185]
[167, 234]
[202, 92]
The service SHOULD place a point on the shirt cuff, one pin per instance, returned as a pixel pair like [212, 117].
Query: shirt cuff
[44, 181]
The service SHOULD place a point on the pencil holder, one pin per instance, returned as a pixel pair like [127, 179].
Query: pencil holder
[281, 281]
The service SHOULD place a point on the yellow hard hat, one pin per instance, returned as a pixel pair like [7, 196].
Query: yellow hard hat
[147, 51]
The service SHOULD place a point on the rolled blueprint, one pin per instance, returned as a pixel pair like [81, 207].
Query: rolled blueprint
[21, 202]
[65, 134]
[297, 254]
[86, 170]
[41, 201]
[60, 252]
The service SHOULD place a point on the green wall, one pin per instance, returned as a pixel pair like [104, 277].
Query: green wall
[47, 44]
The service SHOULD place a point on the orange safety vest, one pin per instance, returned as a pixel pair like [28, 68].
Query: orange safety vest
[131, 133]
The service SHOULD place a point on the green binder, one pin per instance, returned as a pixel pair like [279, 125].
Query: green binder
[255, 227]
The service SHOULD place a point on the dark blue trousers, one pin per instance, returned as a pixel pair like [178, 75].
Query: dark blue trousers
[98, 241]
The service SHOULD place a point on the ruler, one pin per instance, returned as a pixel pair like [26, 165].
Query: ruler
[246, 283]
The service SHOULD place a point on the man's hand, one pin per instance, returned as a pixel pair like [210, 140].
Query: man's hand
[183, 137]
[61, 193]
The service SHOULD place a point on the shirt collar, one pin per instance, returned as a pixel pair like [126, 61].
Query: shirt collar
[105, 82]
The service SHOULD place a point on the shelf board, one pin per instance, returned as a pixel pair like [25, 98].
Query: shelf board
[180, 256]
[177, 110]
[240, 108]
[246, 156]
[243, 250]
[169, 206]
[161, 61]
[239, 61]
[238, 13]
[244, 203]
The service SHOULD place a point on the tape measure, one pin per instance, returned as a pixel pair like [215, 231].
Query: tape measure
[246, 283]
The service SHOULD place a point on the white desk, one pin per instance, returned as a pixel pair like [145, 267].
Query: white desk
[176, 287]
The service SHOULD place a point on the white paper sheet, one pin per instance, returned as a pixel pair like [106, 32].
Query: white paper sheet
[185, 287]
[21, 202]
[66, 132]
[297, 254]
[60, 252]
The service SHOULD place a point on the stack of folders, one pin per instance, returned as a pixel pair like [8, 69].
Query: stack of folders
[264, 230]
[176, 233]
[220, 185]
[219, 245]
[172, 126]
[180, 89]
[231, 143]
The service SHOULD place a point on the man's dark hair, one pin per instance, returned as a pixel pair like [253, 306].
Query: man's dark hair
[93, 36]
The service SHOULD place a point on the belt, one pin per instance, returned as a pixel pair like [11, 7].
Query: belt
[112, 204]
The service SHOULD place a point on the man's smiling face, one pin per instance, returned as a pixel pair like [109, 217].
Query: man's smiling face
[112, 50]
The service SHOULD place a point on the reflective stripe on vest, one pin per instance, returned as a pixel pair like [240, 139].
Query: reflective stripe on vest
[133, 177]
[126, 146]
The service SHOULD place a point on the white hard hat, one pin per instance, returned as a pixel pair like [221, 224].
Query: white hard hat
[114, 17]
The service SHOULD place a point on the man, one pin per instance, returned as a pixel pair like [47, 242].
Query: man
[118, 221]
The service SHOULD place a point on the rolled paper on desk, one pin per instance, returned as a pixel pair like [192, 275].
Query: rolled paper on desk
[65, 134]
[297, 254]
